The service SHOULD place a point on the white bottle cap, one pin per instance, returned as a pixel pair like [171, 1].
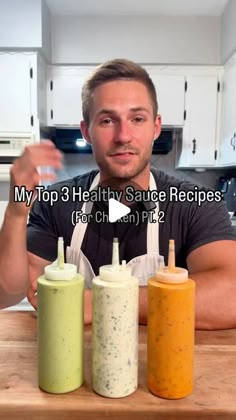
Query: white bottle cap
[114, 273]
[52, 272]
[59, 270]
[179, 275]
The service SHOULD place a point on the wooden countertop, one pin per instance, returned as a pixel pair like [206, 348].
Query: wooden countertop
[214, 393]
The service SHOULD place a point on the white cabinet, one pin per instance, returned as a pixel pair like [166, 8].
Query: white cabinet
[228, 133]
[170, 91]
[64, 94]
[18, 108]
[199, 140]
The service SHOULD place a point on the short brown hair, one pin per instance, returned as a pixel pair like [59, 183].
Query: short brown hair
[117, 69]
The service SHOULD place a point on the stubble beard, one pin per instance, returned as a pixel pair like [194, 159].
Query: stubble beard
[120, 172]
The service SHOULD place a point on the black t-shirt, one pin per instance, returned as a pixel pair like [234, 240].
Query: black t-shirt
[189, 224]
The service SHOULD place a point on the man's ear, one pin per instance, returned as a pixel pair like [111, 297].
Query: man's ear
[157, 130]
[85, 132]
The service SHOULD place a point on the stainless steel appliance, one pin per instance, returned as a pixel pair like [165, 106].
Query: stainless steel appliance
[227, 185]
[70, 140]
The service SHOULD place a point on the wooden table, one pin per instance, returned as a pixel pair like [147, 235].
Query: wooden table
[214, 395]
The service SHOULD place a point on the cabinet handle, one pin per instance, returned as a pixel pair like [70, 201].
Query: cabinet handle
[194, 146]
[232, 141]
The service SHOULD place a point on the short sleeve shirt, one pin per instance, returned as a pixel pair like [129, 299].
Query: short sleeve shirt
[191, 225]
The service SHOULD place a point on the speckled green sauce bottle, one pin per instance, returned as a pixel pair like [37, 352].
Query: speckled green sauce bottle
[60, 329]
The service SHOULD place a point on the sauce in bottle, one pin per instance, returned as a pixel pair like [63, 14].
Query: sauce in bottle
[60, 326]
[170, 338]
[115, 329]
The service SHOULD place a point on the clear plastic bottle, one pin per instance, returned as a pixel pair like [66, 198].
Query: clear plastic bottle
[170, 336]
[115, 329]
[60, 326]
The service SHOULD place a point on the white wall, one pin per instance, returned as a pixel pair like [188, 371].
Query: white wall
[228, 33]
[20, 24]
[146, 39]
[42, 90]
[46, 32]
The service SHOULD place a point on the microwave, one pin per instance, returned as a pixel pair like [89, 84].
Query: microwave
[12, 144]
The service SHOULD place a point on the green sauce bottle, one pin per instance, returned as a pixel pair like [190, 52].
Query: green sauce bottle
[60, 326]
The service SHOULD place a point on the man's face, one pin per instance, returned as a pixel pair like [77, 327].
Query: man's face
[122, 128]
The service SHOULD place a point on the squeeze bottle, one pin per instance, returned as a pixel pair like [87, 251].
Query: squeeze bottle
[60, 326]
[170, 333]
[115, 329]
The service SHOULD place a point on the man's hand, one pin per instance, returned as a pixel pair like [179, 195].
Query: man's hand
[24, 172]
[32, 294]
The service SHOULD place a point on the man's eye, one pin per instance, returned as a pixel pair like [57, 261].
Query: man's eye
[139, 119]
[106, 121]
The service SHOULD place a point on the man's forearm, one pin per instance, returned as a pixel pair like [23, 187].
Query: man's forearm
[13, 255]
[215, 299]
[215, 306]
[143, 305]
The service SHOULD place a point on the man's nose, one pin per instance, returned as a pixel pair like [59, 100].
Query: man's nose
[123, 133]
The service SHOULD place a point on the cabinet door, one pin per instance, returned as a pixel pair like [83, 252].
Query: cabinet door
[228, 133]
[65, 106]
[170, 91]
[15, 97]
[170, 97]
[199, 132]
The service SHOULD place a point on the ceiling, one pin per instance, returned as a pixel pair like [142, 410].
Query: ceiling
[135, 7]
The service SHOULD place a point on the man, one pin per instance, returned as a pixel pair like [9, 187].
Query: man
[120, 122]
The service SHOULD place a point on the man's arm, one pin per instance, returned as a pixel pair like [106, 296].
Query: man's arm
[14, 268]
[213, 268]
[36, 269]
[13, 260]
[143, 305]
[18, 268]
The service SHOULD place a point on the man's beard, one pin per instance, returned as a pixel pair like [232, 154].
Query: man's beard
[123, 173]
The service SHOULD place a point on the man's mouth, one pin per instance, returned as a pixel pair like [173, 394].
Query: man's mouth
[123, 153]
[122, 156]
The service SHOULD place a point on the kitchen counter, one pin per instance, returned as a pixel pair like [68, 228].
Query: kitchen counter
[214, 394]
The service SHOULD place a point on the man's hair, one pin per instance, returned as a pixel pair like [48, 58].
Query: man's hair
[118, 69]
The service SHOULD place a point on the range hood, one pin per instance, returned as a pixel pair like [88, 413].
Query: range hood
[70, 140]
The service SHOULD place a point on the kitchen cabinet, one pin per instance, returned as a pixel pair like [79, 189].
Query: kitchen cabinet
[198, 147]
[170, 91]
[18, 98]
[228, 133]
[64, 94]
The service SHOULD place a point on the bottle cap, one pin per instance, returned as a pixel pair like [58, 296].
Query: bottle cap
[111, 273]
[115, 272]
[59, 270]
[172, 274]
[179, 275]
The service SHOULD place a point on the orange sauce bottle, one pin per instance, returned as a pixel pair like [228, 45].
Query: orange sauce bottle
[170, 332]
